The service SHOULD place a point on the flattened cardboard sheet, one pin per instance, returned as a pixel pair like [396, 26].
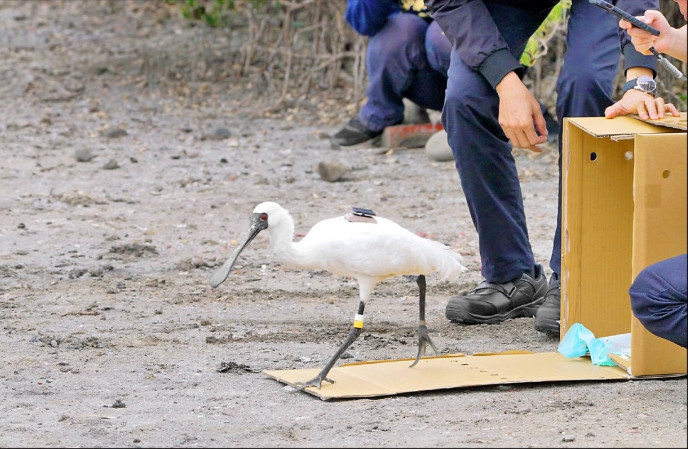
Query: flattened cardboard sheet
[392, 377]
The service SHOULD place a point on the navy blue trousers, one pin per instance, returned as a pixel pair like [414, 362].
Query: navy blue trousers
[659, 299]
[482, 153]
[407, 58]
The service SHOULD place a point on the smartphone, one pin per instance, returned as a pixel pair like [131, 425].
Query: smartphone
[620, 13]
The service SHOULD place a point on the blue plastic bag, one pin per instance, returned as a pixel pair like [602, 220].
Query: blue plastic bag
[580, 341]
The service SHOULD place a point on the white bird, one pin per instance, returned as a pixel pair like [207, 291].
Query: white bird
[361, 245]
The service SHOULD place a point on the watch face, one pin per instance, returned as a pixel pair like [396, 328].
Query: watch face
[646, 84]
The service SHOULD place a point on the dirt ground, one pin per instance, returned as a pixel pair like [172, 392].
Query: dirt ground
[123, 187]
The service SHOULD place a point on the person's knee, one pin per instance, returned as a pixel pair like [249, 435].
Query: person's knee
[401, 31]
[455, 102]
[657, 288]
[465, 96]
[464, 88]
[641, 293]
[438, 48]
[408, 25]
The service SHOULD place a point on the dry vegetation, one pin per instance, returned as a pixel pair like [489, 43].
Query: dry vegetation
[283, 55]
[301, 47]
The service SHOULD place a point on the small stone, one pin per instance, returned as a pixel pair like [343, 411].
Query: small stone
[111, 165]
[437, 147]
[220, 134]
[332, 171]
[114, 131]
[83, 155]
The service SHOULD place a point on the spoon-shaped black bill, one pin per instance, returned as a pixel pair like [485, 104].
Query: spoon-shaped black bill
[221, 273]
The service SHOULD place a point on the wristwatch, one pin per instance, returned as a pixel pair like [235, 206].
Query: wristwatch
[642, 83]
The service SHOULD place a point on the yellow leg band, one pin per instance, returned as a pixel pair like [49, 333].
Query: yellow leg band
[358, 321]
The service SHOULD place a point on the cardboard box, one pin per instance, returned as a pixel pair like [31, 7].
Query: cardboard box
[623, 208]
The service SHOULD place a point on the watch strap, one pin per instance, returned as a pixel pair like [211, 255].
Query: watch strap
[630, 84]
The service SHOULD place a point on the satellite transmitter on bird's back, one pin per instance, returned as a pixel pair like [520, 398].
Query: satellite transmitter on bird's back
[361, 215]
[363, 212]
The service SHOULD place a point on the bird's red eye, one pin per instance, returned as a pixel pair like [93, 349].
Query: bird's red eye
[264, 217]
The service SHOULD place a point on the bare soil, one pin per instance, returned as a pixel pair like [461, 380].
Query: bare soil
[125, 182]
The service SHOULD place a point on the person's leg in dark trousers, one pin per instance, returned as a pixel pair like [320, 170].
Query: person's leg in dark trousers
[429, 82]
[398, 68]
[584, 89]
[514, 285]
[586, 82]
[659, 299]
[438, 52]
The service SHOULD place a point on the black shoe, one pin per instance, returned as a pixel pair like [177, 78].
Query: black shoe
[492, 303]
[549, 313]
[355, 133]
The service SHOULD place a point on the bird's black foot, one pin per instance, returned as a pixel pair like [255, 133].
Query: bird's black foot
[423, 341]
[314, 382]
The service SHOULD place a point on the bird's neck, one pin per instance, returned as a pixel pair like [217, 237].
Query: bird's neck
[281, 240]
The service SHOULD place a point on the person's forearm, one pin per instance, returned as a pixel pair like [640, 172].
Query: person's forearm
[474, 36]
[678, 46]
[635, 72]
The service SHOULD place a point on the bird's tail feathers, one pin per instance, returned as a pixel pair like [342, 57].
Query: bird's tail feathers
[448, 264]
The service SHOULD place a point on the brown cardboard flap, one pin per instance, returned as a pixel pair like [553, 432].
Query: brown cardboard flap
[660, 231]
[668, 121]
[626, 127]
[626, 363]
[391, 377]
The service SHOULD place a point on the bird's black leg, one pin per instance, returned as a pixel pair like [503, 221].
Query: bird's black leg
[423, 335]
[353, 335]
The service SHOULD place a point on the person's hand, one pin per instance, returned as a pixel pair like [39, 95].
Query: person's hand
[642, 40]
[637, 102]
[519, 114]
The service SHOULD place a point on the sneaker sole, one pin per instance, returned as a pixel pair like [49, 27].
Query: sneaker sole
[375, 142]
[457, 314]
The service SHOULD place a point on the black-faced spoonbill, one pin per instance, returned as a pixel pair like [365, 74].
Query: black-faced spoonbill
[361, 245]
